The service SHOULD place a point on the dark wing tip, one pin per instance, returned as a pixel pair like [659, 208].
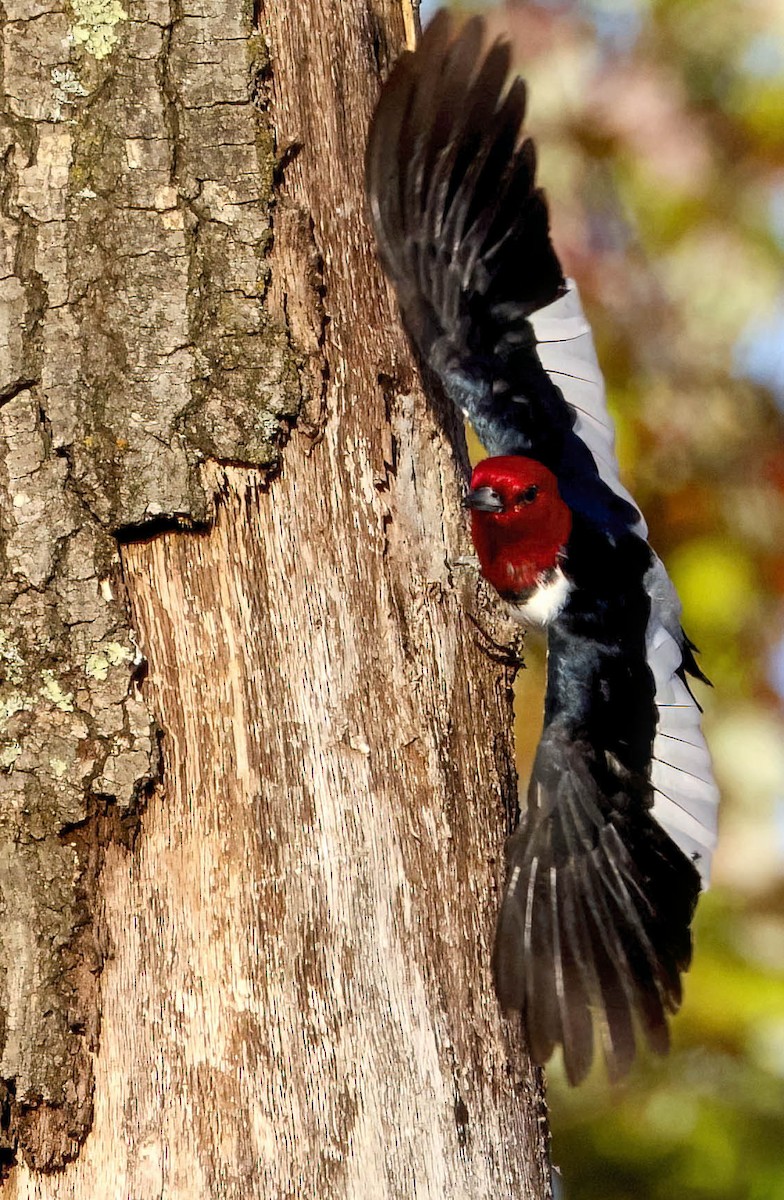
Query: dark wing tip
[445, 176]
[438, 32]
[396, 93]
[462, 229]
[689, 664]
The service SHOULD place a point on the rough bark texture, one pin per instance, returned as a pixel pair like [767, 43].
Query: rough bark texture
[133, 342]
[294, 925]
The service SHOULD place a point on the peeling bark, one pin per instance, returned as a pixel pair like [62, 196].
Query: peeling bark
[274, 957]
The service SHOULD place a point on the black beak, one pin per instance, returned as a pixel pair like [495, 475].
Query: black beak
[484, 499]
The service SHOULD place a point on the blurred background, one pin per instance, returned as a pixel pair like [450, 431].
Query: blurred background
[660, 131]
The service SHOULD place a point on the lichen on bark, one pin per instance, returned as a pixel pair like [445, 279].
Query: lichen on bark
[137, 340]
[74, 735]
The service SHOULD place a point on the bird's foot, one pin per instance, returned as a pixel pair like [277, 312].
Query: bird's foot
[502, 640]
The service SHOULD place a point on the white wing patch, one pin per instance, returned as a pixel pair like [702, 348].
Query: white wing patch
[567, 353]
[685, 794]
[685, 797]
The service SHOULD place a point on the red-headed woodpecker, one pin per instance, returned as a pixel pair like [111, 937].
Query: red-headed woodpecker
[605, 867]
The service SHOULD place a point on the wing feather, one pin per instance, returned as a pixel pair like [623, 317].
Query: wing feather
[602, 931]
[686, 798]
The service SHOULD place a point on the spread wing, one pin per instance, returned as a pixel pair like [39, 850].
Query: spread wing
[594, 925]
[603, 871]
[463, 233]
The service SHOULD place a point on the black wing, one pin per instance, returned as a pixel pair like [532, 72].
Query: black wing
[595, 920]
[463, 232]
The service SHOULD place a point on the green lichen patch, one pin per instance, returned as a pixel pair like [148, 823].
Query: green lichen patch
[58, 767]
[8, 755]
[113, 655]
[96, 25]
[12, 704]
[12, 663]
[51, 690]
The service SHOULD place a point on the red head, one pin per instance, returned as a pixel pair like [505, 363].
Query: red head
[519, 523]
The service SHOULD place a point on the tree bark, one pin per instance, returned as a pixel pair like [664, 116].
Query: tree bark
[293, 909]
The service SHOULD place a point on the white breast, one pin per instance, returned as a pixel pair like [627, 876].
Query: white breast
[545, 603]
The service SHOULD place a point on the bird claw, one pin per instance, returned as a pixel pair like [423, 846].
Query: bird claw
[509, 651]
[503, 641]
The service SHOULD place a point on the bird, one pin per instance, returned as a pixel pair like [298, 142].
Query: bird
[616, 833]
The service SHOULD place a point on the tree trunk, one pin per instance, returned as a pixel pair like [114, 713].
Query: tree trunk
[284, 918]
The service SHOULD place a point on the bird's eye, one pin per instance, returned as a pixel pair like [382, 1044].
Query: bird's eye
[528, 496]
